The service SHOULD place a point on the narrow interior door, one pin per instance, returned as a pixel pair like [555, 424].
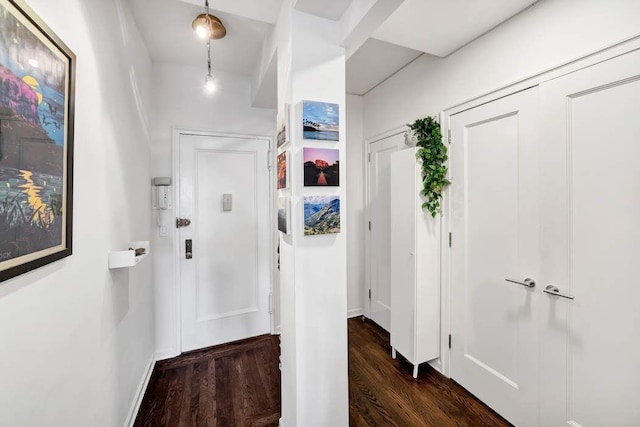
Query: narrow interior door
[380, 233]
[495, 255]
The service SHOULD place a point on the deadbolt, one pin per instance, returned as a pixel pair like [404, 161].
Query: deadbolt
[188, 249]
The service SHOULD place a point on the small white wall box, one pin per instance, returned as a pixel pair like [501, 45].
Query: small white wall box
[227, 202]
[161, 193]
[128, 258]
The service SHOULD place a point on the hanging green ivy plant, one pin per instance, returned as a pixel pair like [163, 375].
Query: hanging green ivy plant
[433, 156]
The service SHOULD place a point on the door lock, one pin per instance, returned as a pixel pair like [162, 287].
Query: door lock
[188, 249]
[182, 222]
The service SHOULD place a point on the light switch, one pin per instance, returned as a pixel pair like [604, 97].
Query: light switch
[164, 231]
[226, 202]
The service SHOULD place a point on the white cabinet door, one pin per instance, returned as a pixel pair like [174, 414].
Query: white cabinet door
[495, 237]
[380, 236]
[590, 346]
[415, 265]
[225, 284]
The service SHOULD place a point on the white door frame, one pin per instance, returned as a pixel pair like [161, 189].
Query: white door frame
[177, 288]
[367, 189]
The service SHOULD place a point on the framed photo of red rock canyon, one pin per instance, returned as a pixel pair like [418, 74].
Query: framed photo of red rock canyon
[37, 79]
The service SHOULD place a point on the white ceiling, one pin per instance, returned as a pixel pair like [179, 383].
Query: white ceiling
[375, 62]
[166, 28]
[258, 10]
[329, 9]
[436, 27]
[439, 27]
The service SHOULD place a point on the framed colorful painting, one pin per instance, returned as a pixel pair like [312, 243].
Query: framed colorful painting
[283, 166]
[37, 79]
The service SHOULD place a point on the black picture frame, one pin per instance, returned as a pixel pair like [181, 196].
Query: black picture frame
[37, 104]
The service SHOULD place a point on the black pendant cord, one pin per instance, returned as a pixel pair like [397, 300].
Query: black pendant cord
[209, 56]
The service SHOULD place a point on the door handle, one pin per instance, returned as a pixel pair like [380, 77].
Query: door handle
[553, 290]
[529, 283]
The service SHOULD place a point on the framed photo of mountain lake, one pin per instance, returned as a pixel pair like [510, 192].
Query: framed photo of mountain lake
[321, 215]
[320, 120]
[37, 74]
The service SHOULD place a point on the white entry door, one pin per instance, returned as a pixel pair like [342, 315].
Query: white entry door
[225, 276]
[590, 352]
[495, 255]
[380, 234]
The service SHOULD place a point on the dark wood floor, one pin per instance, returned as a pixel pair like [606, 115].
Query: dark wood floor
[382, 391]
[238, 384]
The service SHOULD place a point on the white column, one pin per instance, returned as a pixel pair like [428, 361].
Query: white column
[313, 275]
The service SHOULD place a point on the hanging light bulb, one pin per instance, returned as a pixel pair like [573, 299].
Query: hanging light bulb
[201, 30]
[209, 82]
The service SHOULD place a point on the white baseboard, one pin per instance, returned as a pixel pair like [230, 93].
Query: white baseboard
[166, 354]
[135, 407]
[278, 331]
[436, 364]
[355, 312]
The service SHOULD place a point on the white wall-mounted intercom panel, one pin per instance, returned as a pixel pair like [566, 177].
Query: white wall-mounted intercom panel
[161, 193]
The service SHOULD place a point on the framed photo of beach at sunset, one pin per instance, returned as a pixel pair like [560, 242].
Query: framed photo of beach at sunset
[320, 120]
[321, 167]
[37, 73]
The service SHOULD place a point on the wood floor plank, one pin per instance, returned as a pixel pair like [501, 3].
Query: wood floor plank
[207, 403]
[225, 412]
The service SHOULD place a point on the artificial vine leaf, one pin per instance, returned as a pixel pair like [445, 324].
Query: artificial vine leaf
[433, 155]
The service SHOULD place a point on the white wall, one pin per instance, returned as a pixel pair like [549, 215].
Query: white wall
[356, 288]
[77, 337]
[311, 66]
[551, 33]
[181, 102]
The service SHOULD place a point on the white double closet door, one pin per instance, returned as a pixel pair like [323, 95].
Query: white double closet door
[546, 186]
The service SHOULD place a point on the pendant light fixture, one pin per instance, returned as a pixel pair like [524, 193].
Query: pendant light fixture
[208, 27]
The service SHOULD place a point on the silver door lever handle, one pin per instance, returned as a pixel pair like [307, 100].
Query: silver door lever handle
[553, 290]
[529, 283]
